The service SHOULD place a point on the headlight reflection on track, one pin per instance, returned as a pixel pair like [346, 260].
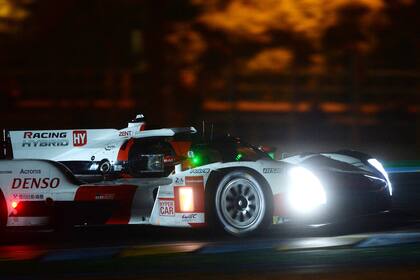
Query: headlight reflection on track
[306, 192]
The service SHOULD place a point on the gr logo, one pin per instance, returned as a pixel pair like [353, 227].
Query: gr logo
[79, 138]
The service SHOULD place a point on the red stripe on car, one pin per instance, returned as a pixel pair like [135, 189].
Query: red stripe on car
[124, 150]
[122, 195]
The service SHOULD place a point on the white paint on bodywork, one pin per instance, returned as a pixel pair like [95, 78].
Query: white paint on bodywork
[35, 169]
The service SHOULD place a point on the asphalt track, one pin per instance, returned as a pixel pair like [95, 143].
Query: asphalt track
[384, 246]
[389, 241]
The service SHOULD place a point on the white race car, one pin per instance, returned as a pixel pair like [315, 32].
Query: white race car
[223, 183]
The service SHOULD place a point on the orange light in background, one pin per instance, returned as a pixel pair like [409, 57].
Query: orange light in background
[334, 107]
[274, 60]
[186, 199]
[188, 78]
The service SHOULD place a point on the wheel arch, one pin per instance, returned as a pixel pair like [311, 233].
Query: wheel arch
[216, 175]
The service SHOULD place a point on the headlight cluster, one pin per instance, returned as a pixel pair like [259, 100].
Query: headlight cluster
[306, 192]
[378, 166]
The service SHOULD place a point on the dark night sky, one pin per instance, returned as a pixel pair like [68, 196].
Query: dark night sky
[331, 72]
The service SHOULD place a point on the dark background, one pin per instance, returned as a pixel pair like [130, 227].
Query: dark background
[303, 75]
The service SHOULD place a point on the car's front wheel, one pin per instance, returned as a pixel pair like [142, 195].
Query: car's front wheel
[242, 203]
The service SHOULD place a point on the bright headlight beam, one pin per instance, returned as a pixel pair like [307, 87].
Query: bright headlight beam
[375, 163]
[306, 192]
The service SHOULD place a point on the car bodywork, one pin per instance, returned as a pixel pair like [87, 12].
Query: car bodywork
[217, 183]
[93, 153]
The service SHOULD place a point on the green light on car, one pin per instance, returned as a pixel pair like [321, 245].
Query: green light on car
[196, 160]
[239, 157]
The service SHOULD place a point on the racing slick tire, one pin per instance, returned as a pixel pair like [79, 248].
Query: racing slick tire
[242, 203]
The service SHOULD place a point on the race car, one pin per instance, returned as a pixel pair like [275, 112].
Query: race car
[223, 183]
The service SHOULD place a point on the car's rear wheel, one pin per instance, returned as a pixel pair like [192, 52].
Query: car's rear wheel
[242, 204]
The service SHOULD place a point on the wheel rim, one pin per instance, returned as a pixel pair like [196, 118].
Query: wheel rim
[241, 204]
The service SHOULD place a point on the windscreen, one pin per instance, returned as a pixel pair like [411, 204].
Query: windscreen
[225, 150]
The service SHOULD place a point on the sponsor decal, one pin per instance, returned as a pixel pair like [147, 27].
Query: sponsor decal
[110, 147]
[179, 180]
[79, 138]
[30, 171]
[44, 135]
[104, 196]
[35, 183]
[189, 217]
[44, 139]
[200, 171]
[279, 220]
[272, 170]
[124, 133]
[166, 207]
[28, 196]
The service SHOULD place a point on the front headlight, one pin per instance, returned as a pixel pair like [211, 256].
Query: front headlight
[378, 166]
[306, 192]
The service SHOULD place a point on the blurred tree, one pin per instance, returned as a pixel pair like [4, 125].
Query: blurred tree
[13, 14]
[398, 36]
[349, 37]
[175, 50]
[299, 26]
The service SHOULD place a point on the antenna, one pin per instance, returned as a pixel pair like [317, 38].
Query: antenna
[204, 128]
[211, 132]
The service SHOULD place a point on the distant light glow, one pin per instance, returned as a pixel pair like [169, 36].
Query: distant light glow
[375, 163]
[306, 192]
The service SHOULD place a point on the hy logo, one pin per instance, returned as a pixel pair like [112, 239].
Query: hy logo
[79, 138]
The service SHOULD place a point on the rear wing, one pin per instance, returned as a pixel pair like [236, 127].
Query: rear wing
[13, 144]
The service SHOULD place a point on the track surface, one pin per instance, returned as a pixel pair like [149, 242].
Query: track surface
[391, 240]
